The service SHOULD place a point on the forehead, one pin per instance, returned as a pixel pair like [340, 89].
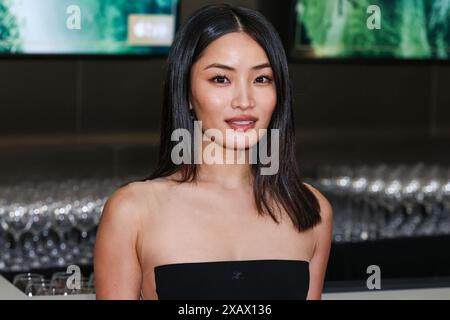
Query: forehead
[234, 49]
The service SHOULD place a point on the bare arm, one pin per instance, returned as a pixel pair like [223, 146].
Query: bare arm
[323, 234]
[116, 264]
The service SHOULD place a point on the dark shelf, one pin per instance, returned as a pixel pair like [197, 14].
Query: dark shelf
[417, 262]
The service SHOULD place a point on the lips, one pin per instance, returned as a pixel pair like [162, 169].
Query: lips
[242, 123]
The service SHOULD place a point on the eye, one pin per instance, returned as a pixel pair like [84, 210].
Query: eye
[262, 78]
[220, 79]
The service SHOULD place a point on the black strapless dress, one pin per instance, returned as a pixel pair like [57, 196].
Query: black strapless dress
[233, 280]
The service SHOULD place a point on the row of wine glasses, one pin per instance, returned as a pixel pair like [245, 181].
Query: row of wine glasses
[33, 284]
[387, 201]
[51, 223]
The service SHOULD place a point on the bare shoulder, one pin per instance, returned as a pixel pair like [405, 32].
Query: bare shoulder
[138, 198]
[128, 204]
[326, 210]
[116, 262]
[125, 200]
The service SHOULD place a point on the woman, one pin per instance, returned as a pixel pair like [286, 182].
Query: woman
[210, 230]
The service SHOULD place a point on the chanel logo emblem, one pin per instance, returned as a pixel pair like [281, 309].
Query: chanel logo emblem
[237, 275]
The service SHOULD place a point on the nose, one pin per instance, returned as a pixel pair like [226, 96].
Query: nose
[243, 97]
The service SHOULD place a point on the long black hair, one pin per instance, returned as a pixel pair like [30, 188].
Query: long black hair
[202, 28]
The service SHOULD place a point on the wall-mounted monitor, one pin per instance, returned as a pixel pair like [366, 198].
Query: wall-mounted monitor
[380, 29]
[87, 27]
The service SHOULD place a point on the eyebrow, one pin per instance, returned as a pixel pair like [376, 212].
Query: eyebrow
[222, 66]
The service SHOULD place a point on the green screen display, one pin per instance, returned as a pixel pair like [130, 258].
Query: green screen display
[394, 29]
[87, 26]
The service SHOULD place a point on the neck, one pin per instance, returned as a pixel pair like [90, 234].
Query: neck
[228, 174]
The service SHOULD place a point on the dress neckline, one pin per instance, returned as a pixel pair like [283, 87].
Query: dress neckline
[228, 262]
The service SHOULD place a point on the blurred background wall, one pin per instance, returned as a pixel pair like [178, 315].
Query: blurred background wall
[69, 117]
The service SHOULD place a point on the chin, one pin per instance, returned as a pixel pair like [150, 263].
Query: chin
[241, 143]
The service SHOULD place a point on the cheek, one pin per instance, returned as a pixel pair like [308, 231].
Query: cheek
[267, 103]
[208, 101]
[209, 111]
[210, 104]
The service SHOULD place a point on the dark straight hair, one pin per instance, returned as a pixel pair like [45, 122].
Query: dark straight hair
[206, 25]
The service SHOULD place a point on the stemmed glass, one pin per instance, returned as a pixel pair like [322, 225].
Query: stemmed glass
[390, 197]
[62, 222]
[410, 195]
[17, 222]
[85, 220]
[23, 280]
[430, 184]
[38, 288]
[4, 252]
[443, 196]
[40, 220]
[60, 278]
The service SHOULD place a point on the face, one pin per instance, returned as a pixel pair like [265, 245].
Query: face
[232, 84]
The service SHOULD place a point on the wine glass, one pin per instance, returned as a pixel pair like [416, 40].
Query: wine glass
[23, 280]
[444, 199]
[40, 221]
[428, 198]
[85, 220]
[38, 288]
[62, 222]
[59, 279]
[17, 222]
